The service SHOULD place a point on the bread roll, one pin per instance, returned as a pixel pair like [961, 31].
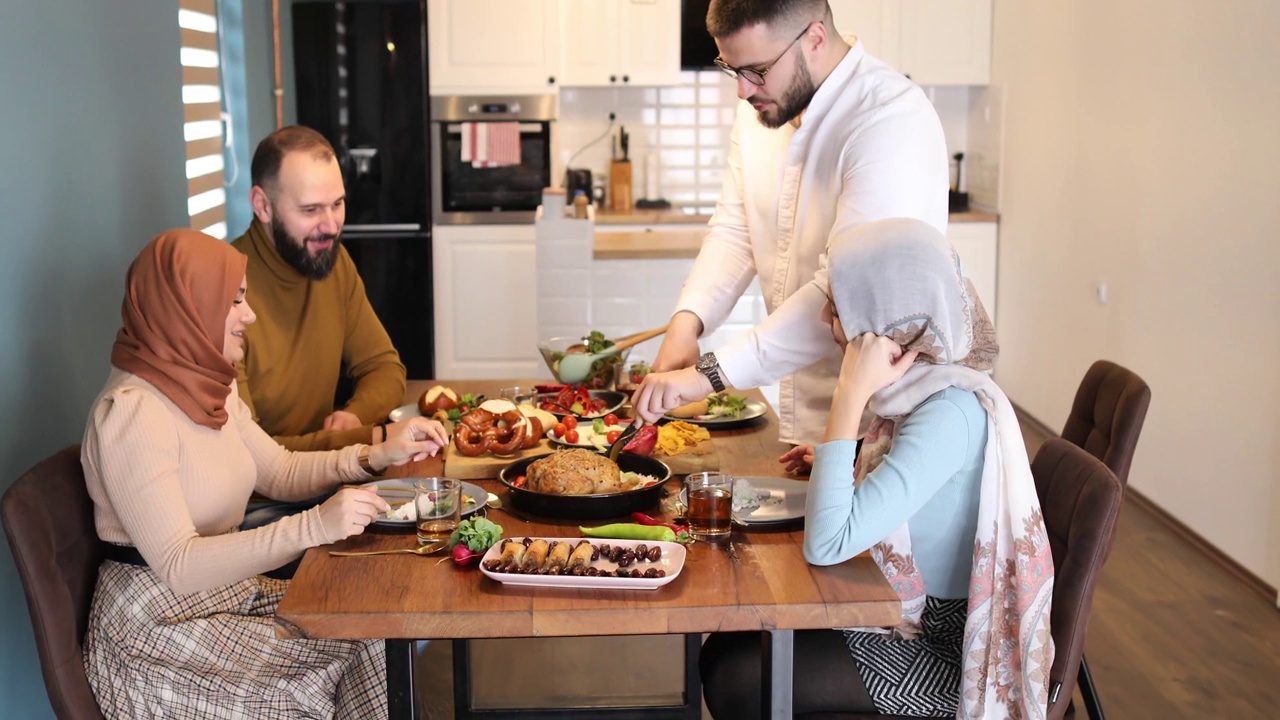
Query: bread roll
[693, 409]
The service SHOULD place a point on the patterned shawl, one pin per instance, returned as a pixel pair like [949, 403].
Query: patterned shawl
[901, 279]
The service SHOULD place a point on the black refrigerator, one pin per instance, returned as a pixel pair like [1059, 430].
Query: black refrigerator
[361, 80]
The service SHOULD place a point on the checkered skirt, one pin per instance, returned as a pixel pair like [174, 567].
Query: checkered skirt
[150, 652]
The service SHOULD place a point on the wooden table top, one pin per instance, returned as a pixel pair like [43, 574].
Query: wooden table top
[758, 581]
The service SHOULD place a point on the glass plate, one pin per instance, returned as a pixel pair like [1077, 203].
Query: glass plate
[397, 491]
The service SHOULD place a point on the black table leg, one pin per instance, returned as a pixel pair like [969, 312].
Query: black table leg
[400, 695]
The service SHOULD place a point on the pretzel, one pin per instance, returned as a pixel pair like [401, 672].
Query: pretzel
[497, 426]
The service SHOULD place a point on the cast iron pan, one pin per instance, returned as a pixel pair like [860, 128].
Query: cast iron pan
[589, 507]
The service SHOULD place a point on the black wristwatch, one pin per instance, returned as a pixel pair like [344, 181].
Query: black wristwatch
[708, 365]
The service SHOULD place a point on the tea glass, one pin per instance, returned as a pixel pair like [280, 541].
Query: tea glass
[710, 503]
[439, 505]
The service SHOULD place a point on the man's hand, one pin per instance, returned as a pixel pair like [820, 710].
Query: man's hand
[799, 460]
[680, 345]
[660, 392]
[413, 439]
[341, 420]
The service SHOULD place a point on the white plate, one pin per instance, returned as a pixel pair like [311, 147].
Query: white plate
[404, 412]
[752, 411]
[587, 437]
[672, 561]
[400, 490]
[784, 503]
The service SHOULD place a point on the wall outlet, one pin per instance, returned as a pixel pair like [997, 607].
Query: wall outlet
[1102, 292]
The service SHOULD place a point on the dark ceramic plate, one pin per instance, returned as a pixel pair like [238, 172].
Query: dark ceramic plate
[589, 507]
[613, 402]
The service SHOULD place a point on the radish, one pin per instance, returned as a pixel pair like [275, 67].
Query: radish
[463, 555]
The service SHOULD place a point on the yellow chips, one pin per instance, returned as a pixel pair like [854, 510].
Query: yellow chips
[675, 437]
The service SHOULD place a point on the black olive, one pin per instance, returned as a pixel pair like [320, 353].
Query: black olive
[595, 553]
[622, 573]
[636, 574]
[655, 553]
[527, 542]
[641, 551]
[605, 549]
[492, 565]
[662, 573]
[651, 573]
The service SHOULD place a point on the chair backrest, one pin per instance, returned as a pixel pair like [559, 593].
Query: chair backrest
[48, 518]
[1107, 415]
[1080, 498]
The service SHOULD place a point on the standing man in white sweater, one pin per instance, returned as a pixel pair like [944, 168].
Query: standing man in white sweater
[828, 138]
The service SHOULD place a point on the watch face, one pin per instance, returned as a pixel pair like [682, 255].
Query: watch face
[707, 361]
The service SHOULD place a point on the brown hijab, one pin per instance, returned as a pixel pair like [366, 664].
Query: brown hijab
[177, 294]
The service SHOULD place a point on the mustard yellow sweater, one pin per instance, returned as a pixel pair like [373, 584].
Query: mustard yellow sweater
[307, 333]
[176, 490]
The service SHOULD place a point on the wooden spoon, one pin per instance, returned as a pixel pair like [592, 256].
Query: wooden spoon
[575, 367]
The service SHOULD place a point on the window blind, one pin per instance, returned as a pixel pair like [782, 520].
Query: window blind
[202, 121]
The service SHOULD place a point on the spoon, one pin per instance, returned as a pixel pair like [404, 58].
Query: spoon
[420, 550]
[576, 366]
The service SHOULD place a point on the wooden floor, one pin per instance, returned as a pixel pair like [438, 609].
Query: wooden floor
[1173, 635]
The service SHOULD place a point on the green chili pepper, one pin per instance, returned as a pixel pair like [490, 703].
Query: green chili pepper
[630, 531]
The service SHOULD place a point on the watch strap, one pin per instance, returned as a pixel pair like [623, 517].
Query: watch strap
[709, 366]
[367, 466]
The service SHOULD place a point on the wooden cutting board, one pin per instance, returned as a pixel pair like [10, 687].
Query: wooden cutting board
[487, 466]
[699, 458]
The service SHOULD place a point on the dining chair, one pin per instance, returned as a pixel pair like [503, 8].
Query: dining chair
[1106, 418]
[48, 519]
[1080, 498]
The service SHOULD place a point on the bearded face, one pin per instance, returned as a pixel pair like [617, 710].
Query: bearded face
[313, 256]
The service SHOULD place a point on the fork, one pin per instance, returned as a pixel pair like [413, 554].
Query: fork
[420, 550]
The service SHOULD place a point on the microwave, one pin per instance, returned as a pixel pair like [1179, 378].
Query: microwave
[463, 194]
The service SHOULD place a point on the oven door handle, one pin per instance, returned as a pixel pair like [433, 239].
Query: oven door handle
[456, 128]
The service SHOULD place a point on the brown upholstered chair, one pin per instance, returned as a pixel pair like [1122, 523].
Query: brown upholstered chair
[1106, 418]
[1080, 498]
[48, 518]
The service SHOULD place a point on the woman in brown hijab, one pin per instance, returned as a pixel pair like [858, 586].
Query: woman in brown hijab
[181, 624]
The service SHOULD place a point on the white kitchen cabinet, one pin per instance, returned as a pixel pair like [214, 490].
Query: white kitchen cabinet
[976, 244]
[875, 22]
[619, 42]
[934, 42]
[508, 47]
[946, 42]
[485, 290]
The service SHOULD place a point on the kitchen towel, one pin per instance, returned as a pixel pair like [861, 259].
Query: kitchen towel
[491, 144]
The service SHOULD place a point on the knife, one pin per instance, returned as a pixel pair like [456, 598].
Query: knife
[625, 142]
[616, 448]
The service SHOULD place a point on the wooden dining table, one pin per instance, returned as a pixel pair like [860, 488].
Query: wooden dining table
[758, 581]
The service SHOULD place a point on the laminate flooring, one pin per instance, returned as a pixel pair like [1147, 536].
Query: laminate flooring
[1173, 635]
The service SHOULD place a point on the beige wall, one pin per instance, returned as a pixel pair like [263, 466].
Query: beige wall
[1142, 148]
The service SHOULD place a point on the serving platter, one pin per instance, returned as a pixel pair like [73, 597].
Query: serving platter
[754, 410]
[587, 437]
[589, 507]
[671, 562]
[400, 490]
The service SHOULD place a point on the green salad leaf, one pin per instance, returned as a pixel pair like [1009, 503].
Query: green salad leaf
[478, 534]
[722, 404]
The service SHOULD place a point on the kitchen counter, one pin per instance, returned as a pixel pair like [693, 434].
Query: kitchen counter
[681, 235]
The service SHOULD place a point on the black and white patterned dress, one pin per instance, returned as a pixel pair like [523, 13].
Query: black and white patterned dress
[920, 677]
[150, 652]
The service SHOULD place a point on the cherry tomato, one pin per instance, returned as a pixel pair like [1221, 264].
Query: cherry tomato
[570, 422]
[611, 437]
[610, 419]
[571, 437]
[559, 430]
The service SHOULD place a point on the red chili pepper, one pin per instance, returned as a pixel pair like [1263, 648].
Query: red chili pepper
[643, 519]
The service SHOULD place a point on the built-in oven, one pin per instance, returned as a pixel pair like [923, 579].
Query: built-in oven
[469, 192]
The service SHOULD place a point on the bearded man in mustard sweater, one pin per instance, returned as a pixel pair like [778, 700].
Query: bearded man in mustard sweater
[314, 320]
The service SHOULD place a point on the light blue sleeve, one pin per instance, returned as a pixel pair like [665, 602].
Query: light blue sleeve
[931, 447]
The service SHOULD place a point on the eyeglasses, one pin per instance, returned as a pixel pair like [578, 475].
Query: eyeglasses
[753, 75]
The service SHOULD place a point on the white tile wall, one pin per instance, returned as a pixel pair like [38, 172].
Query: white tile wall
[687, 129]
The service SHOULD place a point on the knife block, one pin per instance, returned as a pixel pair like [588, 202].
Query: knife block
[620, 186]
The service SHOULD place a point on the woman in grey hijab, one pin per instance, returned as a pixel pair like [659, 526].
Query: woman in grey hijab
[941, 494]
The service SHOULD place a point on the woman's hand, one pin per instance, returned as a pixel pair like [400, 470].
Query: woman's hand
[413, 439]
[349, 511]
[660, 392]
[873, 362]
[799, 459]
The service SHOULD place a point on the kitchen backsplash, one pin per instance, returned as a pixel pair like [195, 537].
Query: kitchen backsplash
[686, 130]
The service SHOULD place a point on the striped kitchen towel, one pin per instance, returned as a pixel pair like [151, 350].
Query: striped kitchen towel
[491, 144]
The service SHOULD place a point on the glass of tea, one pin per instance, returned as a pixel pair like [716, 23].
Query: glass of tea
[710, 505]
[439, 505]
